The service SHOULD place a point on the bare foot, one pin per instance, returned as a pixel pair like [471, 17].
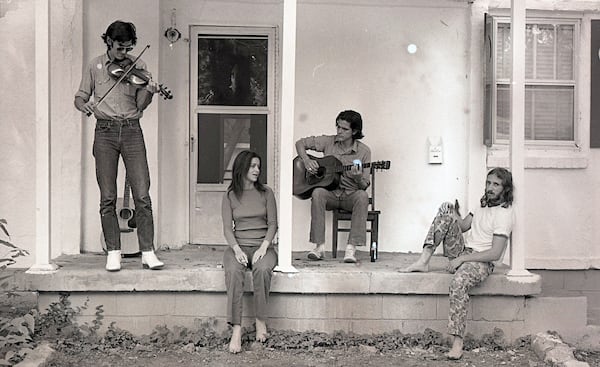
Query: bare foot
[416, 267]
[235, 344]
[261, 331]
[457, 349]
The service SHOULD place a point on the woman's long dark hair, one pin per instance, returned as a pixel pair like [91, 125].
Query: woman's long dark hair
[241, 165]
[506, 197]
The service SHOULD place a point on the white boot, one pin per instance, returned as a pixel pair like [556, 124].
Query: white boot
[113, 260]
[150, 261]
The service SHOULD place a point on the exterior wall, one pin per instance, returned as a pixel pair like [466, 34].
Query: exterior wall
[571, 283]
[140, 313]
[350, 54]
[354, 57]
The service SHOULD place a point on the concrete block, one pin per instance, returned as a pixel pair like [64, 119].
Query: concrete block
[498, 308]
[511, 329]
[551, 279]
[562, 314]
[418, 326]
[410, 283]
[319, 325]
[37, 357]
[90, 300]
[307, 306]
[354, 306]
[375, 326]
[409, 307]
[443, 308]
[552, 350]
[328, 282]
[199, 304]
[583, 280]
[146, 303]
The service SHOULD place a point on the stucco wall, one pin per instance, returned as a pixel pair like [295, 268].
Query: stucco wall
[350, 54]
[355, 57]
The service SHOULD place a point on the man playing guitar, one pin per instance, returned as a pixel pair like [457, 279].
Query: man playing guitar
[350, 195]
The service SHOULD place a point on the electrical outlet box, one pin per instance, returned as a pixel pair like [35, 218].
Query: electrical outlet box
[436, 152]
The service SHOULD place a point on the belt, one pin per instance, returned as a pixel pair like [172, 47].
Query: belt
[119, 121]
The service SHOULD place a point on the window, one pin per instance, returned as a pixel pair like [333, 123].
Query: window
[232, 101]
[550, 80]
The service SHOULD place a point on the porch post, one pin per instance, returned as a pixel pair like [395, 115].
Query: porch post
[42, 139]
[288, 76]
[517, 137]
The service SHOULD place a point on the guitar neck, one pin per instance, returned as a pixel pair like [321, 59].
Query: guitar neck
[126, 193]
[349, 167]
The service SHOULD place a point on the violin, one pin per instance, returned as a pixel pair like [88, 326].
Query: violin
[139, 78]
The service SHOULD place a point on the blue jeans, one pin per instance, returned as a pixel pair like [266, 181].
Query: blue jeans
[111, 139]
[357, 203]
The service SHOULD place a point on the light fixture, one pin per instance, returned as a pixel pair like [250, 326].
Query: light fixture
[172, 33]
[412, 48]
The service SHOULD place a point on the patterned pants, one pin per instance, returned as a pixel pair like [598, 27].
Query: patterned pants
[445, 229]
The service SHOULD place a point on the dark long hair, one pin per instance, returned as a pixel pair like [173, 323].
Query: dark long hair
[120, 31]
[241, 165]
[506, 197]
[355, 121]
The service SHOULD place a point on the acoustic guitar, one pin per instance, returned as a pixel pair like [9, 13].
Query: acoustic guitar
[327, 176]
[127, 225]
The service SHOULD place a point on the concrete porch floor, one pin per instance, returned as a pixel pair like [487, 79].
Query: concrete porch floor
[199, 268]
[326, 295]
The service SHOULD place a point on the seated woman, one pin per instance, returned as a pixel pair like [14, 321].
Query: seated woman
[249, 214]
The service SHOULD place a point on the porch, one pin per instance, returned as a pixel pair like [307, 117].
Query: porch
[326, 296]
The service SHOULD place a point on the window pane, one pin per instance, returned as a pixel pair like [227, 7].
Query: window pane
[503, 52]
[552, 112]
[232, 70]
[529, 40]
[221, 137]
[503, 112]
[564, 50]
[548, 113]
[544, 51]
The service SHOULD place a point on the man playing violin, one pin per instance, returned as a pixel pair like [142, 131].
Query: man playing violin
[350, 195]
[118, 132]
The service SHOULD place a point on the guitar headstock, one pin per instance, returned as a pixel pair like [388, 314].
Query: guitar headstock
[381, 165]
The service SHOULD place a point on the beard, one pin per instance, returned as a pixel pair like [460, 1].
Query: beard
[489, 199]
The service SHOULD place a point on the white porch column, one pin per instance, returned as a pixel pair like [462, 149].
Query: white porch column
[42, 138]
[288, 81]
[517, 137]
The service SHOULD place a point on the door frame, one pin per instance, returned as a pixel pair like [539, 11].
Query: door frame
[270, 110]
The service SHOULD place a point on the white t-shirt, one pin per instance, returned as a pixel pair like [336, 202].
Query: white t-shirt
[486, 223]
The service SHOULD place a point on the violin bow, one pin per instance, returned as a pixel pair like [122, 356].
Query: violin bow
[127, 71]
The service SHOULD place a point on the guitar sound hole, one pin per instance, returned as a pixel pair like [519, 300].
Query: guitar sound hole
[125, 213]
[320, 173]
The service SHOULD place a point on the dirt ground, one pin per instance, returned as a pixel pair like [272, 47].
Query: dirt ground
[76, 346]
[257, 355]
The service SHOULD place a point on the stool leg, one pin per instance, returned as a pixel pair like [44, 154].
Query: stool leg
[334, 232]
[375, 232]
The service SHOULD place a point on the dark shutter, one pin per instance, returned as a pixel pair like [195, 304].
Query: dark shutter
[489, 80]
[595, 86]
